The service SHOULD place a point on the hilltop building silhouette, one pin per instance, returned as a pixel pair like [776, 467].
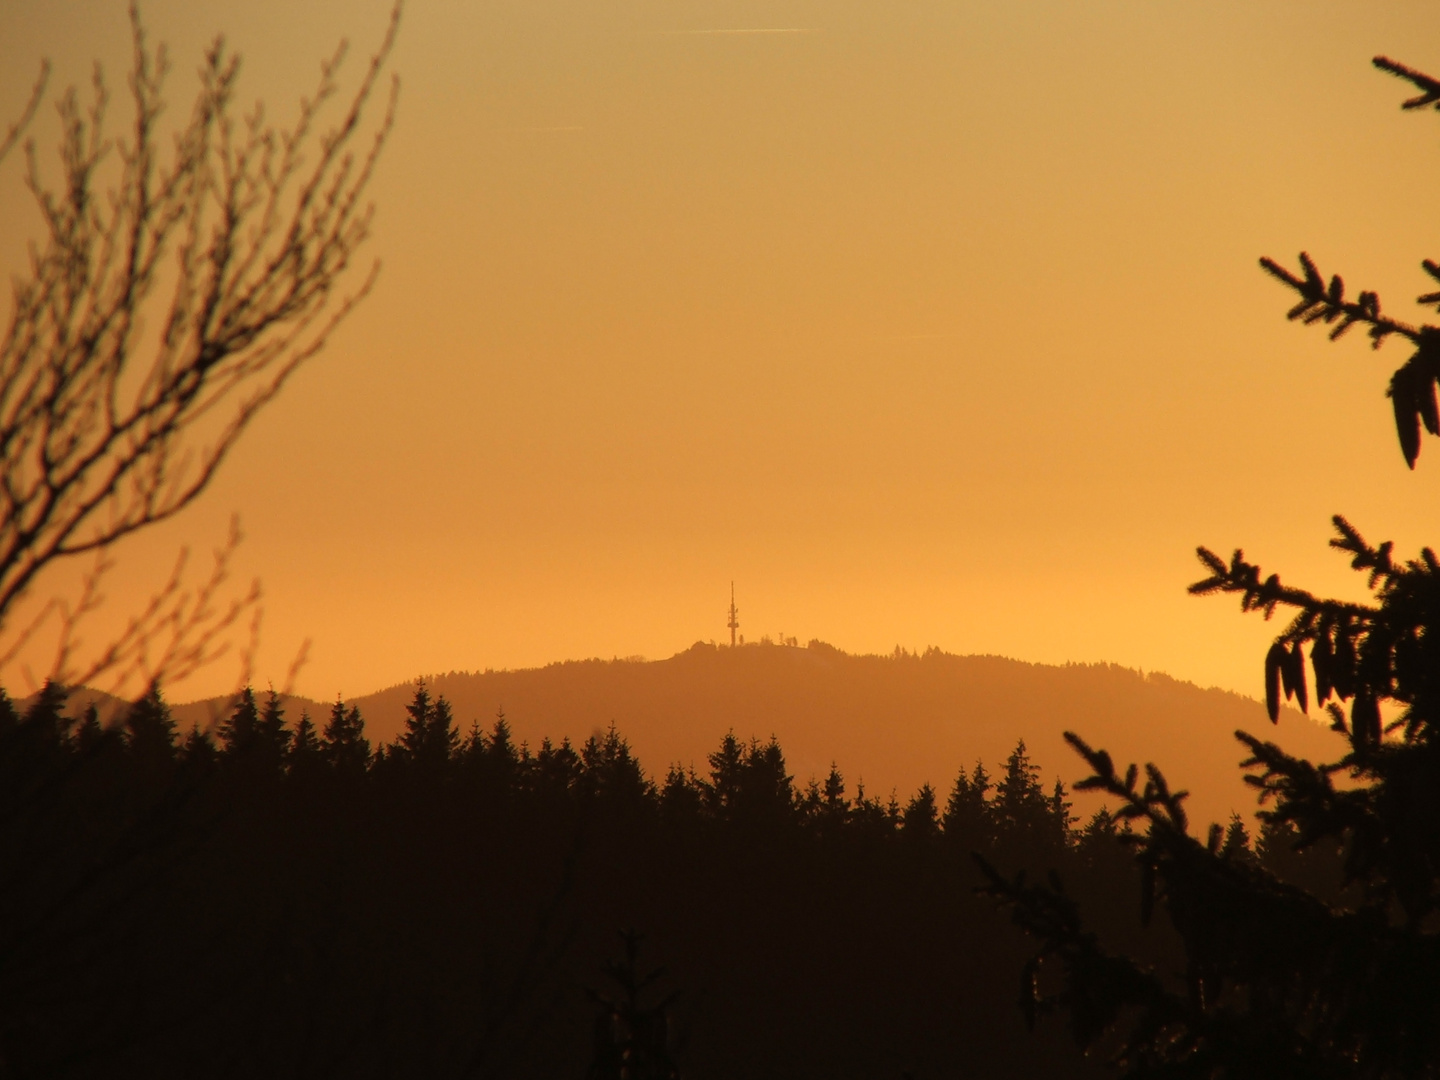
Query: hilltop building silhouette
[734, 623]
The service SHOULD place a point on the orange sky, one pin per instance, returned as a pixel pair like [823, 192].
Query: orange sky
[937, 323]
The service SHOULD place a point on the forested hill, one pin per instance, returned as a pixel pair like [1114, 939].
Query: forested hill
[893, 722]
[291, 892]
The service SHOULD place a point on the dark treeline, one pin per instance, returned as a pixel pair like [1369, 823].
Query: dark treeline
[283, 899]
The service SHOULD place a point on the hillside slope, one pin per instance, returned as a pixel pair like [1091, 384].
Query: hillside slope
[894, 722]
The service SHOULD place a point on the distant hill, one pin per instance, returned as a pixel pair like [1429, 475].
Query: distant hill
[894, 722]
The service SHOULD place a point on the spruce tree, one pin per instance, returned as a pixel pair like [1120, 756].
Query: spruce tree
[1097, 837]
[33, 746]
[198, 753]
[834, 808]
[304, 745]
[44, 725]
[870, 817]
[343, 745]
[442, 739]
[1237, 839]
[1060, 817]
[724, 784]
[834, 790]
[967, 820]
[271, 732]
[765, 795]
[1023, 812]
[492, 759]
[612, 772]
[429, 738]
[500, 746]
[1320, 956]
[89, 733]
[149, 729]
[680, 796]
[556, 769]
[921, 819]
[418, 716]
[239, 731]
[1019, 798]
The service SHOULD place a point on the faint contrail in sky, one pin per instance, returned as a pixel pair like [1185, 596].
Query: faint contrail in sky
[755, 30]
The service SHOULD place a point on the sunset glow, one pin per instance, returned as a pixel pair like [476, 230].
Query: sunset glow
[934, 324]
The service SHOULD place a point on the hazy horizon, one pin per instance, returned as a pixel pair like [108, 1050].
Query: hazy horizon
[429, 676]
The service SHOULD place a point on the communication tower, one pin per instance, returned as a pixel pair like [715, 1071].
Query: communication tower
[734, 622]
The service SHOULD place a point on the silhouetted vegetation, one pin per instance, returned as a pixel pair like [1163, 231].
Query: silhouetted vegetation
[232, 239]
[1316, 955]
[277, 901]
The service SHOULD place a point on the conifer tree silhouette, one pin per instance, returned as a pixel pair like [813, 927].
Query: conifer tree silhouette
[765, 795]
[1237, 840]
[681, 800]
[921, 819]
[272, 736]
[1098, 835]
[1022, 807]
[1319, 956]
[429, 738]
[556, 769]
[833, 808]
[725, 764]
[1060, 817]
[239, 732]
[89, 732]
[1019, 798]
[612, 773]
[968, 818]
[418, 717]
[304, 744]
[500, 751]
[198, 753]
[342, 742]
[149, 728]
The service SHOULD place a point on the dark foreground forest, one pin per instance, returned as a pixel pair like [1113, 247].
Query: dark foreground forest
[283, 900]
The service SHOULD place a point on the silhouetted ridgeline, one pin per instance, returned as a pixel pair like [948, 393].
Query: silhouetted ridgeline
[289, 899]
[894, 721]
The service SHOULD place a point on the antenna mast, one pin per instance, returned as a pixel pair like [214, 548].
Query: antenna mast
[734, 622]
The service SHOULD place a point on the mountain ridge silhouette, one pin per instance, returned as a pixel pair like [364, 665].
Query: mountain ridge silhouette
[892, 721]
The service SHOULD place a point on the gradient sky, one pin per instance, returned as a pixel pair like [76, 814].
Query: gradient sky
[927, 323]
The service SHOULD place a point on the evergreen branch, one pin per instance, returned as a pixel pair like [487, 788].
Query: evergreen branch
[1098, 987]
[1429, 88]
[1250, 989]
[1155, 802]
[1326, 303]
[1267, 593]
[1357, 650]
[1280, 982]
[1412, 387]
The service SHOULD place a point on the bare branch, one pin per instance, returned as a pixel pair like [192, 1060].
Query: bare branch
[181, 629]
[259, 225]
[17, 129]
